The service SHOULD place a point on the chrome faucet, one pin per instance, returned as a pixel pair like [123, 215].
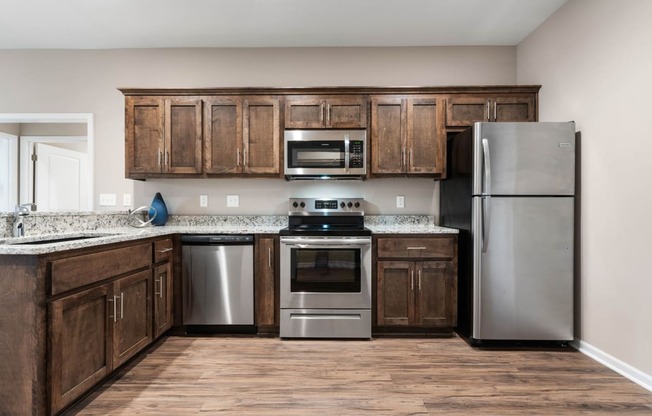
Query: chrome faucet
[20, 212]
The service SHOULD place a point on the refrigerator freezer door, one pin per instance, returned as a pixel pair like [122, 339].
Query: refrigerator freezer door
[525, 159]
[523, 274]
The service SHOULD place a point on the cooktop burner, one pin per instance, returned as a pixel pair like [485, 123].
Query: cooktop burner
[326, 216]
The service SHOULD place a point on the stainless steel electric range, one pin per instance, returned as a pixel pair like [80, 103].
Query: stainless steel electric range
[326, 270]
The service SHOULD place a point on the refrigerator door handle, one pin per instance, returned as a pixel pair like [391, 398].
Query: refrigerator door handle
[486, 221]
[487, 167]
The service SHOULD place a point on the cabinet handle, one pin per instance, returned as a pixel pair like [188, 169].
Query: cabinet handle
[162, 282]
[160, 158]
[122, 305]
[419, 280]
[156, 291]
[114, 308]
[237, 156]
[411, 159]
[321, 113]
[495, 111]
[403, 156]
[165, 250]
[412, 280]
[416, 248]
[269, 257]
[244, 156]
[167, 159]
[328, 115]
[488, 104]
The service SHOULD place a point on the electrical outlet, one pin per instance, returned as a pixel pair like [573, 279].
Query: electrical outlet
[400, 201]
[233, 201]
[107, 200]
[126, 200]
[203, 201]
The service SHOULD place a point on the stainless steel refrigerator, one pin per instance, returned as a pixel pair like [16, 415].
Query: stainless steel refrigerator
[510, 190]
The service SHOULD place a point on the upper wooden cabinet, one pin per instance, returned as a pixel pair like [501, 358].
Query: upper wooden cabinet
[463, 111]
[242, 135]
[163, 136]
[408, 136]
[318, 112]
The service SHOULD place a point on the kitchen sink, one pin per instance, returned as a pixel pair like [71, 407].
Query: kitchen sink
[54, 239]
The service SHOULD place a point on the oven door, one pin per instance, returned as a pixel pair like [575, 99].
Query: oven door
[326, 272]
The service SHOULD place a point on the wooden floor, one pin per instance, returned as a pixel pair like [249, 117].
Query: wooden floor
[385, 376]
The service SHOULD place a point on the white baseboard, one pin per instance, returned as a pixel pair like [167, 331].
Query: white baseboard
[637, 376]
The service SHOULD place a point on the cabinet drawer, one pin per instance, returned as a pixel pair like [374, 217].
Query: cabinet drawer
[162, 250]
[81, 270]
[435, 247]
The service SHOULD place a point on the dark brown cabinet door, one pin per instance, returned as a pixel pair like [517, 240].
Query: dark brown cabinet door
[261, 136]
[80, 344]
[464, 111]
[387, 135]
[183, 135]
[223, 135]
[162, 298]
[436, 294]
[132, 315]
[426, 136]
[267, 308]
[144, 141]
[513, 109]
[318, 112]
[395, 294]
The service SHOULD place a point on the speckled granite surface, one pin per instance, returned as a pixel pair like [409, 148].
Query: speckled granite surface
[92, 229]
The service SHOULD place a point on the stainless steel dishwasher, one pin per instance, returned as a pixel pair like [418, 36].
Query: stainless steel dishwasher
[218, 280]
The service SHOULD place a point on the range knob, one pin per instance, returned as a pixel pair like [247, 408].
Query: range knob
[342, 204]
[295, 204]
[302, 204]
[357, 205]
[350, 204]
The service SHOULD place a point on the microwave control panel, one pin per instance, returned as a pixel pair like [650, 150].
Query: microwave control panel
[356, 154]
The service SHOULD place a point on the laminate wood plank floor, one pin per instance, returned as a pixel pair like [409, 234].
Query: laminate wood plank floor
[384, 376]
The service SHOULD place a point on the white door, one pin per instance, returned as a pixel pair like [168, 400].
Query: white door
[8, 178]
[61, 179]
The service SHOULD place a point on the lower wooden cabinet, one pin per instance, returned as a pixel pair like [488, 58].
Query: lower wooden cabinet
[266, 287]
[81, 342]
[162, 298]
[131, 315]
[416, 282]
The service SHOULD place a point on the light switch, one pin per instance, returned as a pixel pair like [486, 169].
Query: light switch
[400, 201]
[203, 201]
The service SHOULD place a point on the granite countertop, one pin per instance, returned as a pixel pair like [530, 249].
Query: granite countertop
[198, 225]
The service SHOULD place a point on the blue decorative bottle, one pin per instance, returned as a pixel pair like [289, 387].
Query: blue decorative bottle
[161, 210]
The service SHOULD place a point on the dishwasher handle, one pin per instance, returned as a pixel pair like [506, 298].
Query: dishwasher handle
[217, 239]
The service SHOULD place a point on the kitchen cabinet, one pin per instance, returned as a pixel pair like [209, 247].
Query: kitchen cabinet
[80, 344]
[163, 286]
[74, 317]
[319, 112]
[417, 282]
[408, 136]
[163, 135]
[242, 135]
[267, 284]
[131, 315]
[463, 111]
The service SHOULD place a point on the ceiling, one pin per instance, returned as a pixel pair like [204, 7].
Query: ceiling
[112, 24]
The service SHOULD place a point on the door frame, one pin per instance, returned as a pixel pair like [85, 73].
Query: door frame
[62, 118]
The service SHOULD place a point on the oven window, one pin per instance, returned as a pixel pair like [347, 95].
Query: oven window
[316, 154]
[326, 270]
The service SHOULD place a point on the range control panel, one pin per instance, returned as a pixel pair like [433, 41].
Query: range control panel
[326, 206]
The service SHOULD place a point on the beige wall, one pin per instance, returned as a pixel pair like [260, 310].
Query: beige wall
[594, 60]
[54, 81]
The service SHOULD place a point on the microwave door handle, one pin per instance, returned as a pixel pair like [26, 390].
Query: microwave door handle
[346, 153]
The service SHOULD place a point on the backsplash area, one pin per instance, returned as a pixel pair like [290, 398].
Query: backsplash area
[39, 223]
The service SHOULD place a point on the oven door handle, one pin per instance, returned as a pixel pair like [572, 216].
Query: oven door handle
[330, 243]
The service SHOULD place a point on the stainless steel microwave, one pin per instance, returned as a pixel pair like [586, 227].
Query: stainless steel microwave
[325, 154]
